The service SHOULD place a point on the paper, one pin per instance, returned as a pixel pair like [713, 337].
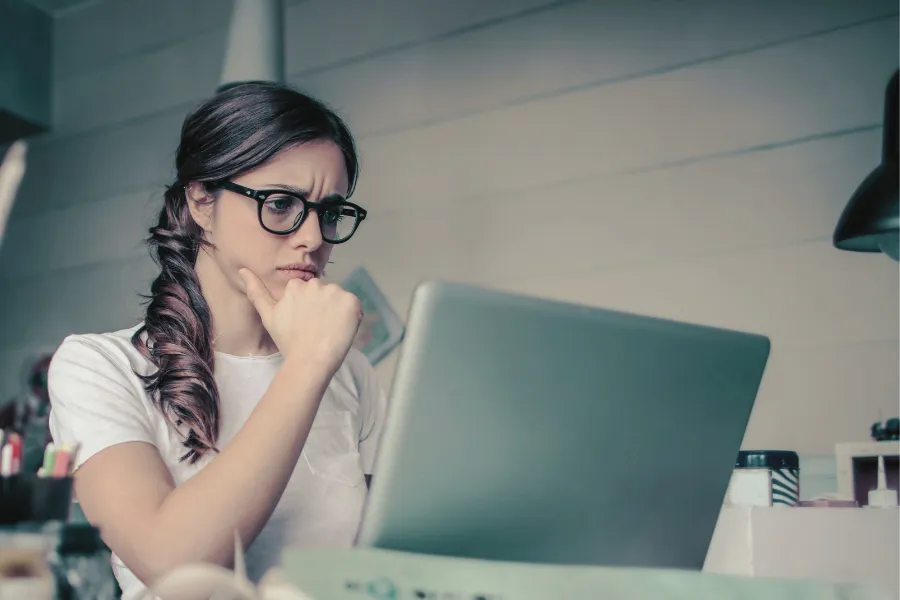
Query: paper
[380, 330]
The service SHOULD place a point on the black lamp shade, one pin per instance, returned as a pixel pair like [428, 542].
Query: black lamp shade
[871, 220]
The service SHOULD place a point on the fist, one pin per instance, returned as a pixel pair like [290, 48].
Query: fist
[313, 321]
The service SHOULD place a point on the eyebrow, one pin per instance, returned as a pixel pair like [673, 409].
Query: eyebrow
[303, 192]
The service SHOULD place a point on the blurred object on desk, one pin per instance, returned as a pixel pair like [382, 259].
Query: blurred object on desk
[829, 501]
[37, 494]
[24, 571]
[27, 498]
[28, 413]
[765, 478]
[357, 573]
[857, 468]
[81, 564]
[889, 430]
[828, 544]
[69, 560]
[882, 496]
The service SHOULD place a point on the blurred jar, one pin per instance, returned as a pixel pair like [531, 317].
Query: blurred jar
[765, 478]
[24, 571]
[81, 562]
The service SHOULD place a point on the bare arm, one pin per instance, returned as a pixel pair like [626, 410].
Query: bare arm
[127, 492]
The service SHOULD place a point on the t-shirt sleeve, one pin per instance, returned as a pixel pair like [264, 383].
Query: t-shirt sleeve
[93, 399]
[373, 411]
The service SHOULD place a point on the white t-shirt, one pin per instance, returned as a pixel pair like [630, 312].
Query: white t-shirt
[98, 401]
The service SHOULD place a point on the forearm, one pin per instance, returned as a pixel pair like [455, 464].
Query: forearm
[239, 489]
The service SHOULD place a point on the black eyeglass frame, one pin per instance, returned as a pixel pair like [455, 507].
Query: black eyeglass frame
[262, 195]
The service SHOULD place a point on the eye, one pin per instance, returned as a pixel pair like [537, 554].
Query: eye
[333, 214]
[279, 204]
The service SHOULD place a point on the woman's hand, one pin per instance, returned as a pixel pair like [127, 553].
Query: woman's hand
[312, 322]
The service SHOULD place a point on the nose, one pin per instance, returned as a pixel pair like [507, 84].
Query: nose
[309, 234]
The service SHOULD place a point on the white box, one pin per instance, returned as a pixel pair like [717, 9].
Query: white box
[829, 544]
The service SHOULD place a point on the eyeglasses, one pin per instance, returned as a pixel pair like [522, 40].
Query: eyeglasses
[281, 212]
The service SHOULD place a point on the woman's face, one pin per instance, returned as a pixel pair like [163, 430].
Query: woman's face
[231, 223]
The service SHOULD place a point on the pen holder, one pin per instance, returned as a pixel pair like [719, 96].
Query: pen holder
[27, 498]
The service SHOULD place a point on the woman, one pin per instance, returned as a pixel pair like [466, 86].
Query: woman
[238, 404]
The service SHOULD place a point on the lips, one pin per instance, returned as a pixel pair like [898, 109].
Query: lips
[299, 271]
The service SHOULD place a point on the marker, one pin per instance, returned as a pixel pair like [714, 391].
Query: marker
[61, 464]
[15, 442]
[6, 460]
[74, 449]
[49, 458]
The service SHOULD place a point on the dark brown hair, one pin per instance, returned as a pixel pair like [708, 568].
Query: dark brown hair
[239, 128]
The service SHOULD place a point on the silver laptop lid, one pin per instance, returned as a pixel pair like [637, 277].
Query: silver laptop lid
[529, 430]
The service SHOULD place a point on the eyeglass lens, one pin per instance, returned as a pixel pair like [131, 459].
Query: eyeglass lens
[282, 213]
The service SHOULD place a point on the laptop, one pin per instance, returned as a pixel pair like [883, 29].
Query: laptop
[529, 430]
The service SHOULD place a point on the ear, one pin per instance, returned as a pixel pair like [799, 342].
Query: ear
[200, 203]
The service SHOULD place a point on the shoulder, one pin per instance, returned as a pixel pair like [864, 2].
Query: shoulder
[101, 352]
[96, 397]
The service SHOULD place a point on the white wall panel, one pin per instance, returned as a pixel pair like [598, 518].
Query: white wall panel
[577, 45]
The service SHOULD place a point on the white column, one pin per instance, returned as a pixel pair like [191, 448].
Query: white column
[255, 46]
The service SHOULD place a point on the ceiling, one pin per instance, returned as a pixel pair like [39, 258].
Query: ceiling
[58, 8]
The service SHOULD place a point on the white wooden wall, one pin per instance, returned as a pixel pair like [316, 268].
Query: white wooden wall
[683, 159]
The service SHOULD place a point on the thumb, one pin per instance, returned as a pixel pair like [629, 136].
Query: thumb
[258, 294]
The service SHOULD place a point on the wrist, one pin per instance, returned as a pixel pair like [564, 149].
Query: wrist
[306, 371]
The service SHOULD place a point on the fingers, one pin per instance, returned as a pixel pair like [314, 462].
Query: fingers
[258, 294]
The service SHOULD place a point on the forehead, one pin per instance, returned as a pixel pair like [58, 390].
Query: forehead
[315, 166]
